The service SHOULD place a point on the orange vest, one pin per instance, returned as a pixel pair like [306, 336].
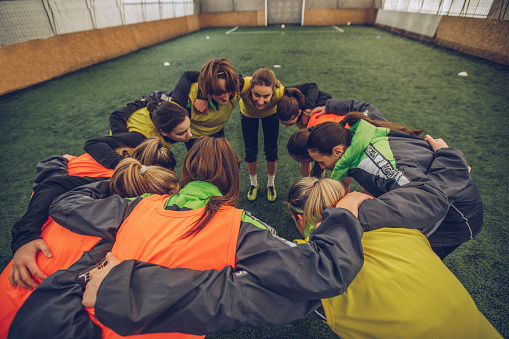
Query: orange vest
[66, 246]
[313, 120]
[152, 234]
[86, 166]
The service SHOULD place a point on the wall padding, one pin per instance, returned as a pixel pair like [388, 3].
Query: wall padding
[485, 38]
[35, 61]
[232, 19]
[324, 17]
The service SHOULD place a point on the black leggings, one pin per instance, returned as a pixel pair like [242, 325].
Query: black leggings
[270, 127]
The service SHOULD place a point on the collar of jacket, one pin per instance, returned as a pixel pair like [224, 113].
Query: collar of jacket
[194, 195]
[362, 132]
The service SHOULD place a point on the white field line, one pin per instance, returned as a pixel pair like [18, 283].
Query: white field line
[338, 29]
[232, 30]
[286, 32]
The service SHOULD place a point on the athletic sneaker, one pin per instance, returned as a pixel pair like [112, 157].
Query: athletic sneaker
[251, 194]
[271, 193]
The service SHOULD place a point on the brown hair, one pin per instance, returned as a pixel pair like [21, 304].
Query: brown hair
[324, 137]
[312, 196]
[265, 77]
[132, 179]
[217, 69]
[289, 105]
[212, 160]
[166, 115]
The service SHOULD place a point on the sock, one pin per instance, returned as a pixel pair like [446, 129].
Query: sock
[270, 181]
[254, 181]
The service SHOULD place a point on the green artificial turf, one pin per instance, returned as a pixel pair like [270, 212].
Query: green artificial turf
[411, 82]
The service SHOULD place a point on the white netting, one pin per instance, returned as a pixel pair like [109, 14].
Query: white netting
[24, 20]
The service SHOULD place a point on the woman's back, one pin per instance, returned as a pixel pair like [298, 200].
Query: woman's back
[404, 291]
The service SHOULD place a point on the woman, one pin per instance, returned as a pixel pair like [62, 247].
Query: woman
[259, 97]
[165, 120]
[384, 157]
[289, 114]
[198, 228]
[291, 109]
[209, 96]
[401, 280]
[41, 246]
[219, 84]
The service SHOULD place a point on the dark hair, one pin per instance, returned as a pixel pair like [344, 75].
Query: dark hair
[297, 148]
[289, 105]
[324, 137]
[212, 160]
[297, 144]
[166, 115]
[218, 69]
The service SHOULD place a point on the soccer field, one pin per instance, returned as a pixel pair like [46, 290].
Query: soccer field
[413, 83]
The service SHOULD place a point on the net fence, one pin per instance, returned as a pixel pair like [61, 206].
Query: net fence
[25, 20]
[463, 8]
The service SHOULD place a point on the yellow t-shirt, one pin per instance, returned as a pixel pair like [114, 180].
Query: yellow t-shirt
[213, 121]
[140, 122]
[247, 107]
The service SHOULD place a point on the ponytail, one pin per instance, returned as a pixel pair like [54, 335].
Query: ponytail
[289, 105]
[311, 196]
[353, 117]
[132, 179]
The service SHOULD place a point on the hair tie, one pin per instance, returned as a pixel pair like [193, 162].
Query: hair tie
[343, 123]
[315, 183]
[143, 169]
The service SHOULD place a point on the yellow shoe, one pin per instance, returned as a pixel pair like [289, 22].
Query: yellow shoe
[271, 193]
[251, 194]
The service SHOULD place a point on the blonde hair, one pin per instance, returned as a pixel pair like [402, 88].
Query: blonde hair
[132, 179]
[311, 197]
[150, 152]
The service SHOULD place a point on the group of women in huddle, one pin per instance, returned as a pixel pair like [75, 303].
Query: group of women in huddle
[167, 257]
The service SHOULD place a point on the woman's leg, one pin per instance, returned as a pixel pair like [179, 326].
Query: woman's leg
[270, 126]
[250, 135]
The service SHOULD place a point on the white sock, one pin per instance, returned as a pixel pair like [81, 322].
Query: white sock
[270, 181]
[254, 181]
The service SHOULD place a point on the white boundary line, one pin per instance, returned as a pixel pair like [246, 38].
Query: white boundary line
[280, 32]
[338, 29]
[232, 30]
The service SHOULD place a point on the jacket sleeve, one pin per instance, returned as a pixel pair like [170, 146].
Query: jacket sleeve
[342, 107]
[420, 204]
[118, 119]
[29, 227]
[450, 170]
[49, 167]
[310, 90]
[274, 282]
[180, 93]
[103, 149]
[92, 210]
